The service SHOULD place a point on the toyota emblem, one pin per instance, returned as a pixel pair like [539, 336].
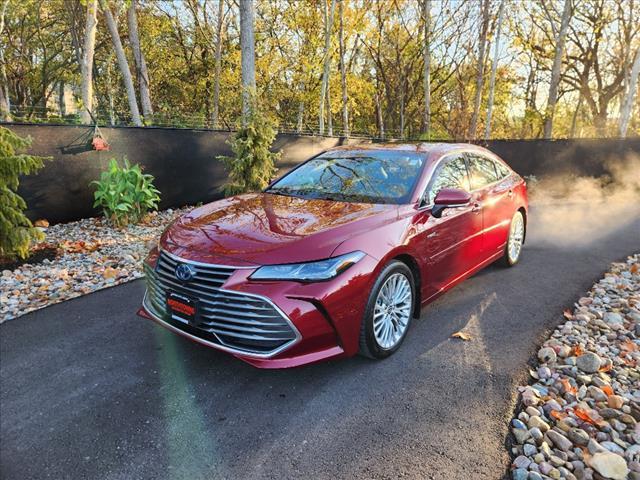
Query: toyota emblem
[184, 272]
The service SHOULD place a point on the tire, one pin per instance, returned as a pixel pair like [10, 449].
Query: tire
[515, 240]
[382, 336]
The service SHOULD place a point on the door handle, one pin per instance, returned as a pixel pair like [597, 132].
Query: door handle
[510, 193]
[476, 207]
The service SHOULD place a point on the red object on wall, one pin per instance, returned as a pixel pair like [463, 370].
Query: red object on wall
[100, 144]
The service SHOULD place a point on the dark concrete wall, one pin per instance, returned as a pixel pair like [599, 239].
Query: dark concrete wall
[186, 171]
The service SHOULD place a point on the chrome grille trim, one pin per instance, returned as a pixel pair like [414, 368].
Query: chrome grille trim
[241, 323]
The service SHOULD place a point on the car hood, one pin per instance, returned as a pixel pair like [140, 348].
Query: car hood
[265, 228]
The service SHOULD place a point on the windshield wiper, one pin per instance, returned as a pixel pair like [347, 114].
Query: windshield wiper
[280, 191]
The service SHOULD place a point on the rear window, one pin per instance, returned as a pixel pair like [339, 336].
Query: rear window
[482, 172]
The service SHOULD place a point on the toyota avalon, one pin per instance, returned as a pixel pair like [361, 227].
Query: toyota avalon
[339, 255]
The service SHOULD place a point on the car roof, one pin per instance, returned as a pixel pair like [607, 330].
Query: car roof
[434, 150]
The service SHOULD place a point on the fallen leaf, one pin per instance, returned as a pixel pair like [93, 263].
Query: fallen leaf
[567, 314]
[628, 346]
[577, 351]
[558, 415]
[568, 387]
[607, 390]
[110, 272]
[585, 416]
[634, 268]
[606, 367]
[461, 335]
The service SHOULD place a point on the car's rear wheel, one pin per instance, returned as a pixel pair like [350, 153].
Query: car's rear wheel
[389, 311]
[515, 240]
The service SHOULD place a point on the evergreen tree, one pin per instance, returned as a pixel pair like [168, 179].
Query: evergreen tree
[253, 165]
[16, 231]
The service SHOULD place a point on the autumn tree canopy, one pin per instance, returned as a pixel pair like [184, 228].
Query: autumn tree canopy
[429, 69]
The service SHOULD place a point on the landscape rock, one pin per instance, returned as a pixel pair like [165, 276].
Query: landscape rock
[588, 362]
[582, 407]
[92, 255]
[609, 465]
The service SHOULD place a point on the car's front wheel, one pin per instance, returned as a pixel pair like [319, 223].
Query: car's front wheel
[389, 311]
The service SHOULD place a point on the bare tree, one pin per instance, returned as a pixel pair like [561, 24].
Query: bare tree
[328, 25]
[426, 19]
[141, 64]
[482, 45]
[122, 64]
[86, 69]
[625, 107]
[218, 65]
[5, 103]
[494, 67]
[343, 75]
[555, 70]
[248, 54]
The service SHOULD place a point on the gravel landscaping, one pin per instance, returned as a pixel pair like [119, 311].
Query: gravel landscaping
[579, 417]
[91, 255]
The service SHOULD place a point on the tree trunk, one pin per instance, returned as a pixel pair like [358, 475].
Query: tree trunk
[627, 105]
[86, 69]
[141, 64]
[343, 76]
[62, 99]
[426, 18]
[218, 66]
[248, 56]
[484, 5]
[494, 67]
[574, 118]
[555, 70]
[380, 117]
[5, 103]
[109, 82]
[300, 117]
[402, 95]
[122, 64]
[328, 24]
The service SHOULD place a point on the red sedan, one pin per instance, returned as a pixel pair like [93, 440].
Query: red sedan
[339, 255]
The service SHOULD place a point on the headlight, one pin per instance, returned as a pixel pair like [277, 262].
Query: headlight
[311, 271]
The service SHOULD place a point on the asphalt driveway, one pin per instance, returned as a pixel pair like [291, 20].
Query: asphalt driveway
[89, 390]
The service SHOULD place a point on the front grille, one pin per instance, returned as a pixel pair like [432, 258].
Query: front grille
[235, 321]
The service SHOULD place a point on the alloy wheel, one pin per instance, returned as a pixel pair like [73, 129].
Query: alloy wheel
[516, 237]
[392, 311]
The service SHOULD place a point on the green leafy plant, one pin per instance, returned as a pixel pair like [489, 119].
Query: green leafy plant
[16, 231]
[125, 194]
[253, 164]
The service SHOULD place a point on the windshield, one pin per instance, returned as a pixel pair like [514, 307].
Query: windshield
[365, 177]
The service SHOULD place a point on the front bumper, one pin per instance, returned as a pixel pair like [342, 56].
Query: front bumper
[324, 316]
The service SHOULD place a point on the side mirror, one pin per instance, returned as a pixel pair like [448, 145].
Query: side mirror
[449, 198]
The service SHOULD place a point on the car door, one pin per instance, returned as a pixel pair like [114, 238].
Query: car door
[448, 244]
[493, 191]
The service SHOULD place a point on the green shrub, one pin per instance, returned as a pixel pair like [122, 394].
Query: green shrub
[125, 194]
[253, 164]
[16, 231]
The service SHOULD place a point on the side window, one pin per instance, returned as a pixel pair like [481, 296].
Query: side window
[451, 174]
[503, 171]
[482, 172]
